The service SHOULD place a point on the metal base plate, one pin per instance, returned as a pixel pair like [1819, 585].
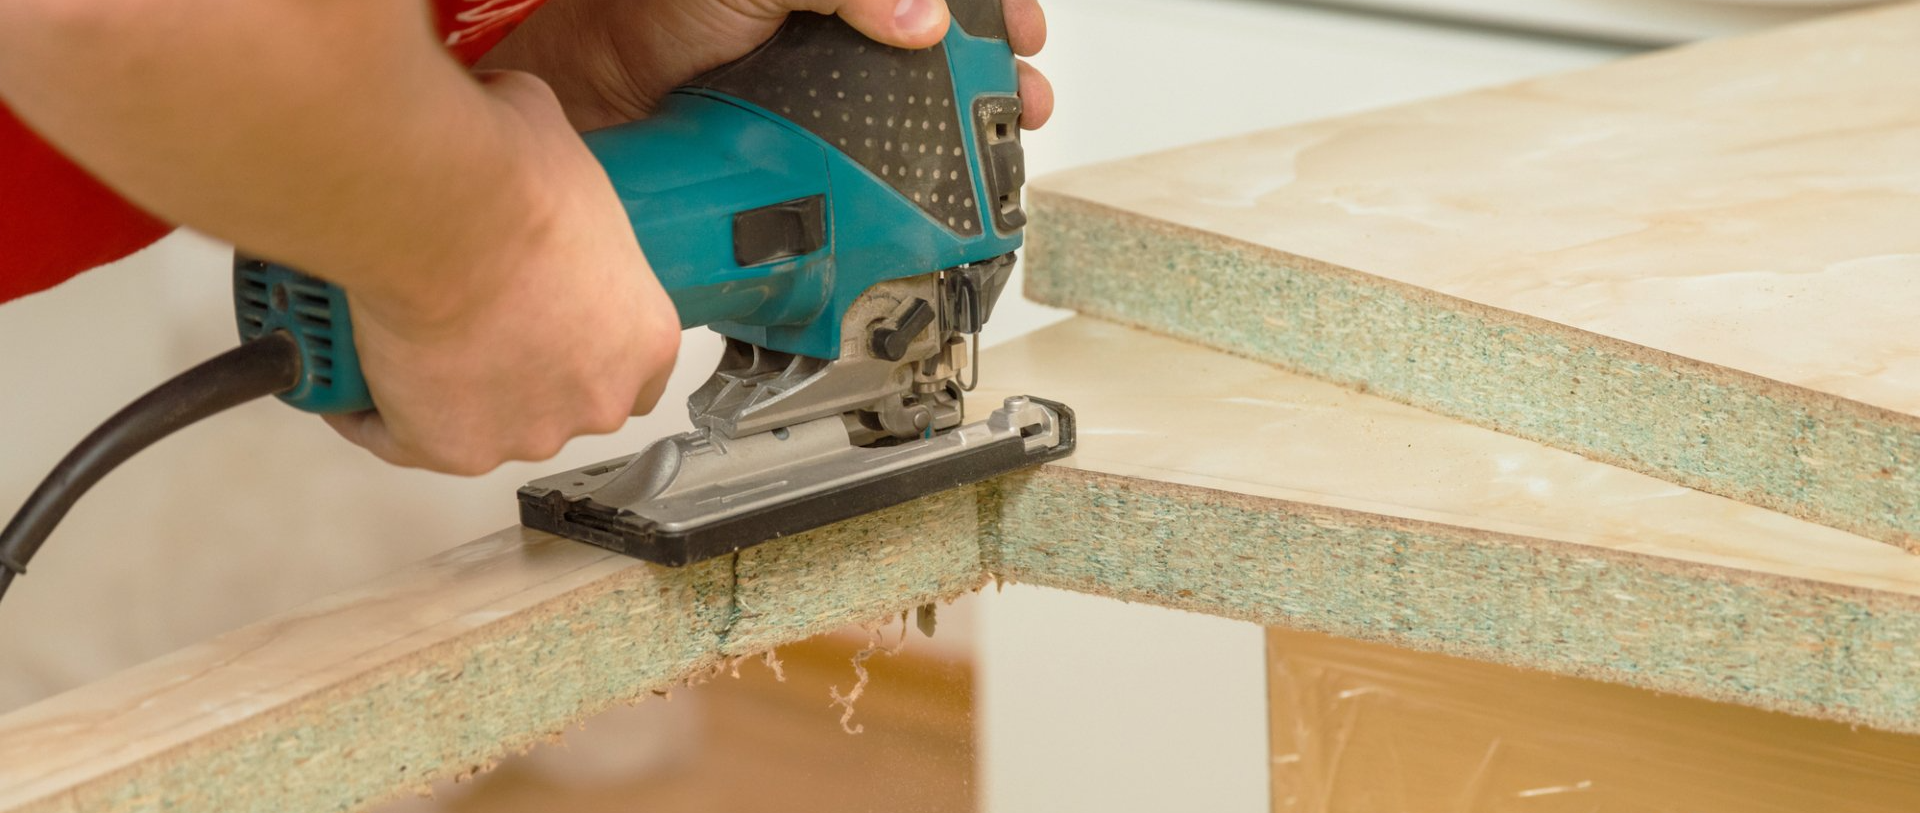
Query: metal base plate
[694, 497]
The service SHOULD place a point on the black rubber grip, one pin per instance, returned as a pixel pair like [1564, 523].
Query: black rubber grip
[891, 110]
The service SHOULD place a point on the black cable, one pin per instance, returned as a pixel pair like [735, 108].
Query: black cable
[260, 367]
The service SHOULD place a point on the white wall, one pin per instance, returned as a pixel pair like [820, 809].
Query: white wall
[1650, 22]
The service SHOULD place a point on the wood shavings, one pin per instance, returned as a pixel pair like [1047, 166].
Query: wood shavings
[861, 677]
[846, 701]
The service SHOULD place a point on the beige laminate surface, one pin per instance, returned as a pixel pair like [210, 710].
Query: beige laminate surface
[1220, 485]
[195, 692]
[1167, 411]
[1755, 207]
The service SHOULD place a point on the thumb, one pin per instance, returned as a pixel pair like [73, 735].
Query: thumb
[901, 23]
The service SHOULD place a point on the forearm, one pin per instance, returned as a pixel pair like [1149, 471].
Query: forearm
[333, 135]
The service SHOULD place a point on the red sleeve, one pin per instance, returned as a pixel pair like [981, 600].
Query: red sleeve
[57, 221]
[470, 28]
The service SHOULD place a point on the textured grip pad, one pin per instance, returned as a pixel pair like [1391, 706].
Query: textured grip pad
[891, 110]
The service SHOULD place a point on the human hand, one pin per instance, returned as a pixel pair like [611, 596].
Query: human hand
[554, 330]
[562, 330]
[612, 61]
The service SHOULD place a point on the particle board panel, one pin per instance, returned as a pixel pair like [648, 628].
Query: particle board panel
[437, 670]
[1204, 482]
[1702, 264]
[1216, 484]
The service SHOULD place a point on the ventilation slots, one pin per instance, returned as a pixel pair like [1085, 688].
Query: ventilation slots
[252, 308]
[269, 298]
[312, 312]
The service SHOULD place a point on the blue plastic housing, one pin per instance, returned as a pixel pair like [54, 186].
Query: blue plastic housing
[268, 298]
[683, 176]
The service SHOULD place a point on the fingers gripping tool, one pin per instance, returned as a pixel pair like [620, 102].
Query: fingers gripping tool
[843, 212]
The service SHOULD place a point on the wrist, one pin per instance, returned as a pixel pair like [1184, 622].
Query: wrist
[459, 255]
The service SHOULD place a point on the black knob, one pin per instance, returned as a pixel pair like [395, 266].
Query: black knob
[893, 336]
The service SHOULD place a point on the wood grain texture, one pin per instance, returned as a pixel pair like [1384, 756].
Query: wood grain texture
[1701, 264]
[1363, 727]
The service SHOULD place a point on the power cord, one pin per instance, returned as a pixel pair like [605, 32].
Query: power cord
[261, 367]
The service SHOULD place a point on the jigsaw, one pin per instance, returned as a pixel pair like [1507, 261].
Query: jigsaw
[843, 212]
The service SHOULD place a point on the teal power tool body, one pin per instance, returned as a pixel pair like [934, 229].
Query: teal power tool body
[845, 213]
